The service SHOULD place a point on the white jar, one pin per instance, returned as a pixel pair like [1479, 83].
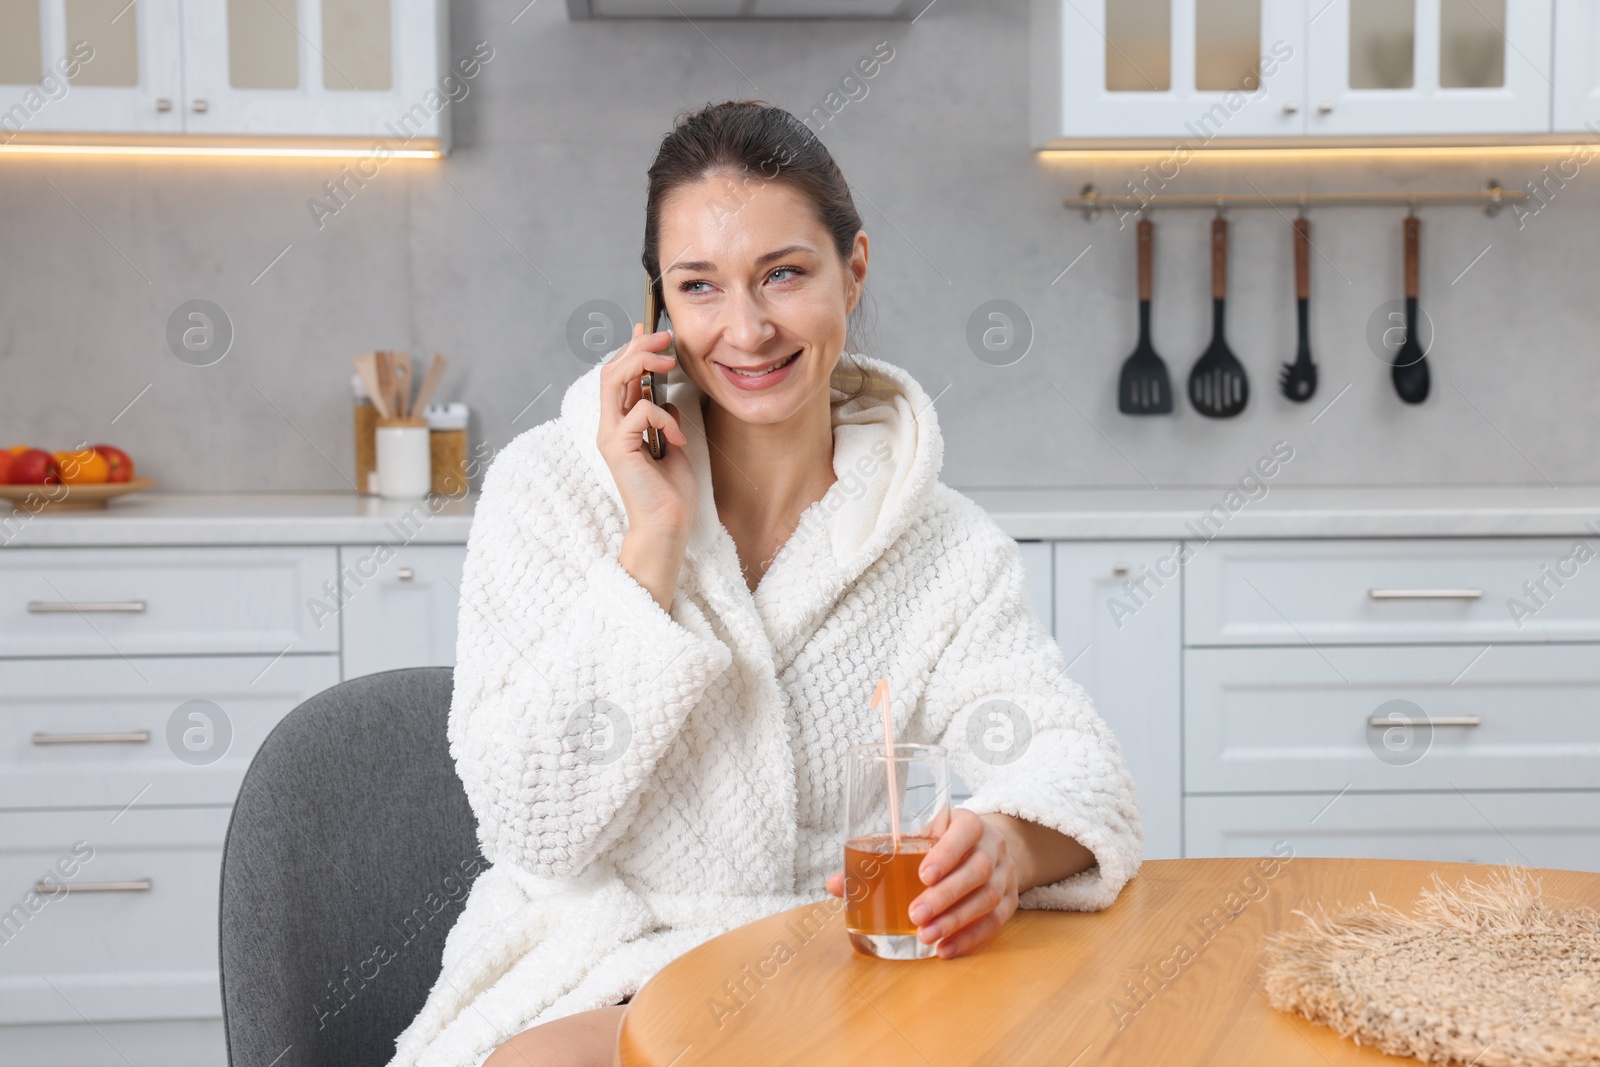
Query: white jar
[403, 464]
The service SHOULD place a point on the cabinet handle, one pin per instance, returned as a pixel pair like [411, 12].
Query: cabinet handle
[1291, 107]
[46, 889]
[131, 737]
[1443, 720]
[405, 574]
[1119, 569]
[201, 106]
[163, 104]
[51, 607]
[1324, 106]
[1425, 594]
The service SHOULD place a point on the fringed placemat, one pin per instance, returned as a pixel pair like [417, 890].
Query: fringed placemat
[1488, 975]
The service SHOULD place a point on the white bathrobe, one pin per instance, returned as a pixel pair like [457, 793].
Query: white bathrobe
[645, 780]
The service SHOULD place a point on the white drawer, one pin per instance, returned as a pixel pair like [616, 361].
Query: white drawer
[99, 732]
[120, 954]
[1559, 830]
[164, 601]
[1370, 592]
[1301, 719]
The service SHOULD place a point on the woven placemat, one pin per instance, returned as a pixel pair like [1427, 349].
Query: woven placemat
[1488, 975]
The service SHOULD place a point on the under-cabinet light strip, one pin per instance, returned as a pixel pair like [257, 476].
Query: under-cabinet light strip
[230, 151]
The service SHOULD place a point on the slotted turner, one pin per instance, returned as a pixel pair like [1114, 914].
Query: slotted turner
[1145, 388]
[1299, 379]
[1218, 387]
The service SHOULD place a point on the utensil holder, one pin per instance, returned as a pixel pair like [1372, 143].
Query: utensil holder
[404, 470]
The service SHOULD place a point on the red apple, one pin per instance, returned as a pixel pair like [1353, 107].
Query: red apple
[5, 468]
[120, 462]
[34, 467]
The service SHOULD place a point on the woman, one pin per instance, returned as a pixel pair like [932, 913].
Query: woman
[661, 663]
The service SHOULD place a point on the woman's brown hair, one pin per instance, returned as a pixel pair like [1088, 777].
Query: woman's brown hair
[756, 143]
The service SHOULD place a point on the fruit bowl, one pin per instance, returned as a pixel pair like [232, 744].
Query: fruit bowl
[70, 497]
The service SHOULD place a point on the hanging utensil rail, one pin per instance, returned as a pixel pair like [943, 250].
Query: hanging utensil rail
[1492, 199]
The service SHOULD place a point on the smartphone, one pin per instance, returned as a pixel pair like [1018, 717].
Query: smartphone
[653, 386]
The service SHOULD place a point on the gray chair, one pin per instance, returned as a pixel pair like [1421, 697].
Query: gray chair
[348, 859]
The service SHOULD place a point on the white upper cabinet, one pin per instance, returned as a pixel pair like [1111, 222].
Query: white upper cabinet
[71, 66]
[1479, 67]
[1197, 69]
[1577, 92]
[320, 67]
[226, 68]
[1194, 71]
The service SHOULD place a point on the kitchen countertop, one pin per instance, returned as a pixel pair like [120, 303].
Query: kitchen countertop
[1026, 514]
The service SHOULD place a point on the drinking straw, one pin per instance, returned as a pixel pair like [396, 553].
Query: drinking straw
[881, 693]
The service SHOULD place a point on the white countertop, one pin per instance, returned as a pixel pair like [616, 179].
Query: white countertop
[1026, 514]
[246, 519]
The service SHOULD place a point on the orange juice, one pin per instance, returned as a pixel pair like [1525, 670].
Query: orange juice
[880, 883]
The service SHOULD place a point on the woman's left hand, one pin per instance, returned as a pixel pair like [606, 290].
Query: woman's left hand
[971, 875]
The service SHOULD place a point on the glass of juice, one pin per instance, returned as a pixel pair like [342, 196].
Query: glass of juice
[880, 875]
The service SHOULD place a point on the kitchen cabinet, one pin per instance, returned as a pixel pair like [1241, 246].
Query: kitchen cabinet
[1118, 608]
[1577, 63]
[1429, 67]
[404, 615]
[317, 68]
[1183, 73]
[1191, 69]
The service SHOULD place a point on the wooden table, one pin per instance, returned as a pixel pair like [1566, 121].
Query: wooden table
[1057, 988]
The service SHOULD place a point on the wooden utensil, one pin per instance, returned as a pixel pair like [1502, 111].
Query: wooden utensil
[1411, 377]
[1218, 387]
[1145, 388]
[367, 367]
[386, 384]
[1299, 379]
[430, 382]
[402, 384]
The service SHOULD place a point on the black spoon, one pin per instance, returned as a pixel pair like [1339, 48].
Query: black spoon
[1145, 388]
[1299, 379]
[1218, 387]
[1411, 376]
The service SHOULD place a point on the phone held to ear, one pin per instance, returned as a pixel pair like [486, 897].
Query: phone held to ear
[653, 386]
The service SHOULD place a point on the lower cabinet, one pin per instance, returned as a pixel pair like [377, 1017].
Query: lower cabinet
[1117, 620]
[399, 610]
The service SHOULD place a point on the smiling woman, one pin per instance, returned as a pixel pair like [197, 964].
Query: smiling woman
[733, 605]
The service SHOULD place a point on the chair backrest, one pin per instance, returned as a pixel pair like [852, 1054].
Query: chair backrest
[348, 859]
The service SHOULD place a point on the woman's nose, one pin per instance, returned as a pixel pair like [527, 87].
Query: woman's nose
[748, 326]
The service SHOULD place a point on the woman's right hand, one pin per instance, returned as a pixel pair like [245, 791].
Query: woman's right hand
[659, 495]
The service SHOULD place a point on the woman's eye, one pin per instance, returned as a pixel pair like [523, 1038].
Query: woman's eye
[796, 271]
[686, 287]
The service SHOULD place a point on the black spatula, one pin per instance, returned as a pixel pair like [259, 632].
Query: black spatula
[1145, 388]
[1299, 379]
[1218, 387]
[1411, 378]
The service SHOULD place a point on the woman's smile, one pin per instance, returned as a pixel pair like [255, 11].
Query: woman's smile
[759, 375]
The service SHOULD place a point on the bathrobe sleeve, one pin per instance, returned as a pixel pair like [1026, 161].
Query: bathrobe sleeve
[1025, 737]
[571, 682]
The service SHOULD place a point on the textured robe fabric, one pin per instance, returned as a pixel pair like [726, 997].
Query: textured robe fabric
[644, 780]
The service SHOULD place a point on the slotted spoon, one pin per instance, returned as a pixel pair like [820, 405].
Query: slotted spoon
[1218, 387]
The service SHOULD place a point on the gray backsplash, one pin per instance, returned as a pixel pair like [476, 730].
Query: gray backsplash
[485, 255]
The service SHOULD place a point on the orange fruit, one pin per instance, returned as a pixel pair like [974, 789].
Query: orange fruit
[84, 467]
[17, 450]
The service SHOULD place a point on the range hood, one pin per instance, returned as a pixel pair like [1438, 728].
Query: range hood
[746, 9]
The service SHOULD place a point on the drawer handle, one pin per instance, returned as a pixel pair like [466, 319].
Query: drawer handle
[46, 889]
[131, 737]
[51, 607]
[1443, 720]
[1425, 594]
[405, 574]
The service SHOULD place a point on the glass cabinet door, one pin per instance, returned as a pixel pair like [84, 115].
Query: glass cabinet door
[1191, 70]
[88, 66]
[1429, 67]
[322, 67]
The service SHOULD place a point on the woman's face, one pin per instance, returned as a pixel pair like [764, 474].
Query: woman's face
[752, 283]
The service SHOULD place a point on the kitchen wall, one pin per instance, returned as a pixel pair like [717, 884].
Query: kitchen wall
[486, 254]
